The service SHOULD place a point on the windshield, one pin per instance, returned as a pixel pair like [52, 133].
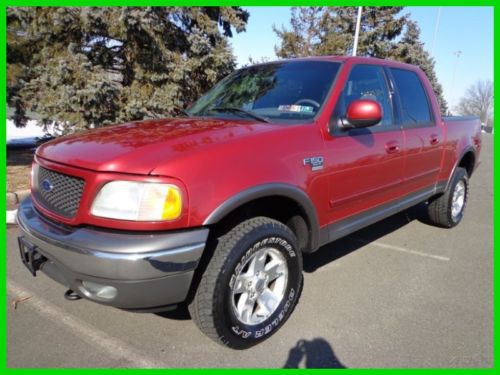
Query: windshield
[287, 91]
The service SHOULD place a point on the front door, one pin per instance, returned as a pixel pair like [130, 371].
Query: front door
[365, 166]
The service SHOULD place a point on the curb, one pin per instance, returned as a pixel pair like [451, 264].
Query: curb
[13, 199]
[11, 217]
[17, 197]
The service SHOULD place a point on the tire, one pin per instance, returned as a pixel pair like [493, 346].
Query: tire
[441, 209]
[228, 305]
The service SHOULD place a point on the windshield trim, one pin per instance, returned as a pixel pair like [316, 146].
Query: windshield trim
[330, 91]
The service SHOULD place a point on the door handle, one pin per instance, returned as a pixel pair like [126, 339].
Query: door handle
[392, 147]
[434, 139]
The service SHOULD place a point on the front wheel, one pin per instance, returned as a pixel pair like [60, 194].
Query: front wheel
[251, 284]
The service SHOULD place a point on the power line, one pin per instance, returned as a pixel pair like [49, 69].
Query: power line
[438, 19]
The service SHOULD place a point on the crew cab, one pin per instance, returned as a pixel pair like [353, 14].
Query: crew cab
[215, 209]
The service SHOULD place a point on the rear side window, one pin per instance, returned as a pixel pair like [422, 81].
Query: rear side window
[415, 109]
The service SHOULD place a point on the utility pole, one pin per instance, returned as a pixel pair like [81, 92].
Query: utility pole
[436, 31]
[452, 88]
[356, 33]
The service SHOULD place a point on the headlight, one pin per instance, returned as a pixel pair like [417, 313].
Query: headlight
[139, 201]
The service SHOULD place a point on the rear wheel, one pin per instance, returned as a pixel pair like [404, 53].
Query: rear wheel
[447, 210]
[251, 284]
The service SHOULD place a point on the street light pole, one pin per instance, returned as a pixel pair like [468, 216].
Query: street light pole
[452, 93]
[356, 33]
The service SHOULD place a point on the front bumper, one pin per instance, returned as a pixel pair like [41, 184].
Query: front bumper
[147, 270]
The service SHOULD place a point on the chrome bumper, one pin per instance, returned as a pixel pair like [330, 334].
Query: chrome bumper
[147, 270]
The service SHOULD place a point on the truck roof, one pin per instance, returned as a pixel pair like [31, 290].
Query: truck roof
[355, 59]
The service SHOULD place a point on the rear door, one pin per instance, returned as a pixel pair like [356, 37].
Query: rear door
[365, 166]
[423, 137]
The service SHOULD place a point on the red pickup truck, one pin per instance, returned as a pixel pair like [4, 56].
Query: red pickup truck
[215, 209]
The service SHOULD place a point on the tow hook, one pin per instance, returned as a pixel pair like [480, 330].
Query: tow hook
[70, 295]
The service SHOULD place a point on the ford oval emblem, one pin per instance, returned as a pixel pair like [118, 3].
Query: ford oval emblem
[47, 185]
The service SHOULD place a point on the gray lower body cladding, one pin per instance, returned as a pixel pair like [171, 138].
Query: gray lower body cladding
[144, 270]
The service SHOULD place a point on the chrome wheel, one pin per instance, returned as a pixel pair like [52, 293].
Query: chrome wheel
[458, 199]
[260, 286]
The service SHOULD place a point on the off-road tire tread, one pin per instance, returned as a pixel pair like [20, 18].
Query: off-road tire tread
[439, 209]
[203, 304]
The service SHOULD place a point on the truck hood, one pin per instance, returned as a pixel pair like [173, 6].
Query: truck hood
[138, 147]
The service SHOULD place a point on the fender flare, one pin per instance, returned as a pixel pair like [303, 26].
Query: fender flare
[459, 159]
[267, 190]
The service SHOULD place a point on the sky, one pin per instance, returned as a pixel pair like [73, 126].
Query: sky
[465, 29]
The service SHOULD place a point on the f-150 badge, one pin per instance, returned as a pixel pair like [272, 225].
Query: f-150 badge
[316, 162]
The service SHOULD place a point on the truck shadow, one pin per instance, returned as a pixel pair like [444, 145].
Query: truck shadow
[337, 249]
[179, 312]
[315, 353]
[20, 156]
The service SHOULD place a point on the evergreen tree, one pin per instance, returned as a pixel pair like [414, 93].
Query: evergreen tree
[411, 50]
[330, 30]
[303, 39]
[380, 26]
[384, 33]
[86, 67]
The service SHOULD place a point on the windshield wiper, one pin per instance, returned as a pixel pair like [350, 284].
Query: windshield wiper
[186, 113]
[239, 110]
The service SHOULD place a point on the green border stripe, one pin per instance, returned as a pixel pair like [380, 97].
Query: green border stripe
[248, 3]
[496, 157]
[496, 205]
[3, 113]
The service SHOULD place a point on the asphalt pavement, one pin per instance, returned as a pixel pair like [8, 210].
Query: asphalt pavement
[399, 293]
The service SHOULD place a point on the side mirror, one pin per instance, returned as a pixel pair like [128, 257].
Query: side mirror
[361, 114]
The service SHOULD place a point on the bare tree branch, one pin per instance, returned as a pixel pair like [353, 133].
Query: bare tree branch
[478, 101]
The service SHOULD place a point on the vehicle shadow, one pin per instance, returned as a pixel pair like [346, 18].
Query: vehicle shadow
[20, 156]
[337, 249]
[180, 312]
[344, 246]
[315, 353]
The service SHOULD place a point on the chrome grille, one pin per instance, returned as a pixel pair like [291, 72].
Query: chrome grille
[57, 192]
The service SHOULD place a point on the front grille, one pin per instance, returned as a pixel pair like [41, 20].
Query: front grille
[57, 192]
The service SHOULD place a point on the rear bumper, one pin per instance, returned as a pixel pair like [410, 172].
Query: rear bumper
[146, 270]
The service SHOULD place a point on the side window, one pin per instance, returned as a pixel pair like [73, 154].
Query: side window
[415, 109]
[366, 82]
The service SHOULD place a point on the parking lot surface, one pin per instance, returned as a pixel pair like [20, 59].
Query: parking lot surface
[399, 293]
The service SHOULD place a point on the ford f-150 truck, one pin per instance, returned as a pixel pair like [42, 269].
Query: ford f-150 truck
[214, 210]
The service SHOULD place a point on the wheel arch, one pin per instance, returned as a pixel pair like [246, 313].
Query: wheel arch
[268, 191]
[466, 160]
